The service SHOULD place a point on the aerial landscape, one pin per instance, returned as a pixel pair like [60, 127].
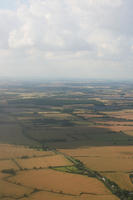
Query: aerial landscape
[66, 100]
[66, 140]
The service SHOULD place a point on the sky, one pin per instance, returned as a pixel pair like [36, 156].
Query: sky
[91, 39]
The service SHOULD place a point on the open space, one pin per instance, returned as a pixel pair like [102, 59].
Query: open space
[66, 141]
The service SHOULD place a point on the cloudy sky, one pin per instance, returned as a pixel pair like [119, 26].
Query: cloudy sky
[66, 38]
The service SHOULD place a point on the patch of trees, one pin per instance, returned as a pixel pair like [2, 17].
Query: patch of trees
[9, 171]
[24, 157]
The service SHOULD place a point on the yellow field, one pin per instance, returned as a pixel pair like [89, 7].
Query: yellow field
[13, 190]
[87, 116]
[123, 114]
[56, 115]
[53, 196]
[60, 185]
[6, 198]
[108, 164]
[128, 129]
[55, 160]
[115, 123]
[55, 181]
[7, 164]
[12, 151]
[2, 175]
[112, 158]
[122, 179]
[124, 126]
[106, 151]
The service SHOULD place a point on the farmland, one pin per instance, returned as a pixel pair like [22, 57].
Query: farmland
[102, 159]
[66, 140]
[58, 181]
[122, 179]
[30, 173]
[49, 196]
[43, 162]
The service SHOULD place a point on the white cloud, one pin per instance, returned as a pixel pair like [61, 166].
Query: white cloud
[69, 32]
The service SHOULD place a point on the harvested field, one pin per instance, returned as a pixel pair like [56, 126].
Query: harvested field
[118, 128]
[13, 190]
[55, 181]
[113, 158]
[8, 164]
[8, 198]
[108, 164]
[123, 114]
[88, 116]
[129, 131]
[52, 196]
[55, 160]
[3, 175]
[122, 179]
[115, 123]
[56, 115]
[12, 151]
[111, 151]
[99, 197]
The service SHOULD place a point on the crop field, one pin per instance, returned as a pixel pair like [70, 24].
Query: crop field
[25, 172]
[108, 164]
[7, 164]
[8, 151]
[123, 114]
[49, 196]
[122, 179]
[56, 115]
[58, 181]
[43, 162]
[2, 175]
[14, 191]
[8, 198]
[114, 163]
[112, 151]
[117, 159]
